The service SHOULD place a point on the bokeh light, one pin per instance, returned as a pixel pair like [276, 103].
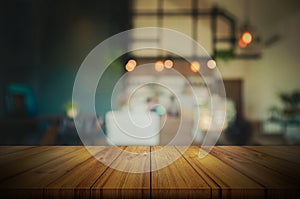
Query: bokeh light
[195, 66]
[129, 67]
[242, 44]
[131, 64]
[159, 66]
[168, 63]
[211, 64]
[247, 37]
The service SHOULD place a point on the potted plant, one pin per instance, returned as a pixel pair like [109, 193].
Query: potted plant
[291, 114]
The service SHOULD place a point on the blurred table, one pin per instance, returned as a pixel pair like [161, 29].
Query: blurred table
[72, 172]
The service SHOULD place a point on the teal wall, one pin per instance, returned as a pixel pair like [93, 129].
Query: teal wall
[55, 89]
[45, 42]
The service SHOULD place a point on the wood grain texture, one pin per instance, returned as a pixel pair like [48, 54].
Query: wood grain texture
[8, 149]
[283, 167]
[178, 180]
[72, 172]
[41, 175]
[29, 160]
[224, 176]
[291, 153]
[19, 154]
[276, 184]
[117, 184]
[76, 183]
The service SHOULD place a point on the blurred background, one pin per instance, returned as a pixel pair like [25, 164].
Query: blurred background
[254, 44]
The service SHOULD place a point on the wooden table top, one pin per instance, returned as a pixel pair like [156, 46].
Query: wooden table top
[227, 172]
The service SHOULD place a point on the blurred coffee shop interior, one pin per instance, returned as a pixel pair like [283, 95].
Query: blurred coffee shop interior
[254, 44]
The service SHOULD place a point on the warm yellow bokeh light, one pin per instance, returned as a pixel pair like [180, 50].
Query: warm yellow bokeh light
[72, 112]
[132, 63]
[195, 66]
[211, 64]
[159, 66]
[129, 67]
[247, 37]
[242, 44]
[168, 63]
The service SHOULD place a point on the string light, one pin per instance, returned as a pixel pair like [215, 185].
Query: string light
[159, 66]
[211, 64]
[129, 67]
[131, 64]
[247, 37]
[195, 66]
[168, 63]
[242, 44]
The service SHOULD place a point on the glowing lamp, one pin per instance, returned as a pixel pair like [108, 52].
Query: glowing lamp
[242, 44]
[247, 37]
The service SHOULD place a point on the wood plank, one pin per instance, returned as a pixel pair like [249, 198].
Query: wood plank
[277, 185]
[117, 184]
[290, 153]
[71, 172]
[12, 157]
[215, 188]
[38, 177]
[232, 183]
[22, 164]
[285, 168]
[178, 180]
[12, 149]
[76, 183]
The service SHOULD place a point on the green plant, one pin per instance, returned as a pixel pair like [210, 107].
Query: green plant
[225, 55]
[291, 102]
